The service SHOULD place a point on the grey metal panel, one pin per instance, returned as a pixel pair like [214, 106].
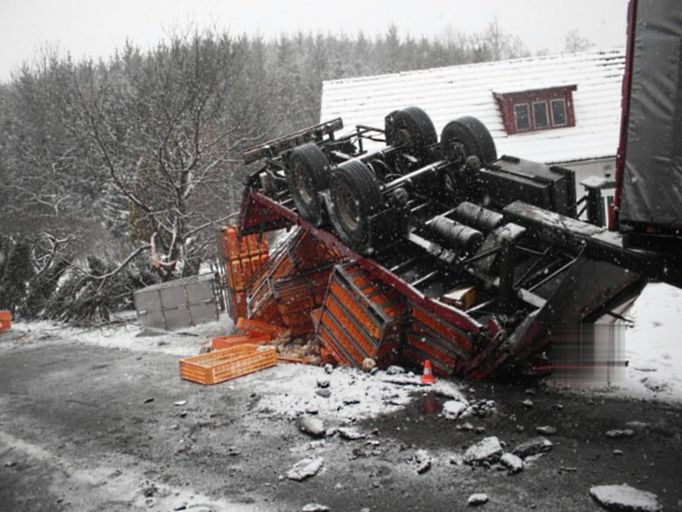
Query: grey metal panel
[199, 292]
[652, 176]
[177, 318]
[202, 313]
[177, 304]
[149, 311]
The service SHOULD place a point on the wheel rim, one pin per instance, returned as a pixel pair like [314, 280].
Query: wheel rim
[348, 207]
[304, 184]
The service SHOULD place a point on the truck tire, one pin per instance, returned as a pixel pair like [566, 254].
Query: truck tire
[473, 135]
[411, 127]
[307, 175]
[355, 196]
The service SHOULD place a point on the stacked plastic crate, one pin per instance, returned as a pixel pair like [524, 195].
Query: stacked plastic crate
[361, 319]
[243, 256]
[292, 284]
[431, 337]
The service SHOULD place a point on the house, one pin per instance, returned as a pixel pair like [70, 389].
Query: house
[559, 109]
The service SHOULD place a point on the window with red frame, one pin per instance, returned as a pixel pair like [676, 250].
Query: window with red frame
[537, 109]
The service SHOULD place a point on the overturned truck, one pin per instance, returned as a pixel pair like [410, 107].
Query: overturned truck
[411, 246]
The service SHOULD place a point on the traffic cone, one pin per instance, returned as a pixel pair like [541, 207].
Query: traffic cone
[427, 376]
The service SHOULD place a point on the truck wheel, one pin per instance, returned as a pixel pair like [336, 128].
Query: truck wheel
[355, 196]
[410, 127]
[307, 175]
[474, 137]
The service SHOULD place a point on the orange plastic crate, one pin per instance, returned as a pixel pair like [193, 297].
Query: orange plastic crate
[221, 342]
[5, 320]
[227, 364]
[257, 326]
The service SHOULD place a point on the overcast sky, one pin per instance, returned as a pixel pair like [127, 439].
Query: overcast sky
[95, 28]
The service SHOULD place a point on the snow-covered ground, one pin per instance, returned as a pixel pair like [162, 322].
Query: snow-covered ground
[654, 345]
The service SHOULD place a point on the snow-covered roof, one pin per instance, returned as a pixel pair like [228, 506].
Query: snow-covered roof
[450, 92]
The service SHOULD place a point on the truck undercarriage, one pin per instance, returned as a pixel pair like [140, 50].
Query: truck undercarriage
[483, 259]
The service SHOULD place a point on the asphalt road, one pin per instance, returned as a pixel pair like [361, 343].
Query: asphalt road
[90, 428]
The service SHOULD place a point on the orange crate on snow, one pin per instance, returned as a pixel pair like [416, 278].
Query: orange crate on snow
[252, 338]
[226, 364]
[5, 320]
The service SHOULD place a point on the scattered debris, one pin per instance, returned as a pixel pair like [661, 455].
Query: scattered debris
[328, 368]
[322, 383]
[546, 430]
[149, 489]
[233, 451]
[179, 403]
[148, 400]
[466, 427]
[487, 450]
[452, 409]
[618, 452]
[527, 403]
[395, 370]
[480, 429]
[324, 393]
[513, 463]
[368, 364]
[624, 498]
[477, 499]
[482, 408]
[423, 461]
[315, 507]
[620, 433]
[10, 463]
[350, 433]
[558, 407]
[351, 400]
[533, 446]
[305, 468]
[312, 426]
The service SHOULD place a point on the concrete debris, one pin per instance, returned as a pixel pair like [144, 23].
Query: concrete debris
[452, 409]
[620, 433]
[513, 463]
[533, 446]
[477, 499]
[328, 368]
[546, 430]
[623, 498]
[482, 408]
[312, 426]
[233, 451]
[487, 450]
[369, 364]
[148, 489]
[350, 433]
[395, 370]
[466, 427]
[322, 383]
[305, 468]
[351, 400]
[324, 393]
[315, 507]
[423, 461]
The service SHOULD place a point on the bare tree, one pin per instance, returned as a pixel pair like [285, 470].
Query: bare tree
[574, 42]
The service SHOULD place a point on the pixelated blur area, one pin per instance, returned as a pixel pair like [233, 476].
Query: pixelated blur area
[588, 355]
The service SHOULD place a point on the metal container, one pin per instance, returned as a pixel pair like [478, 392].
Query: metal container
[176, 304]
